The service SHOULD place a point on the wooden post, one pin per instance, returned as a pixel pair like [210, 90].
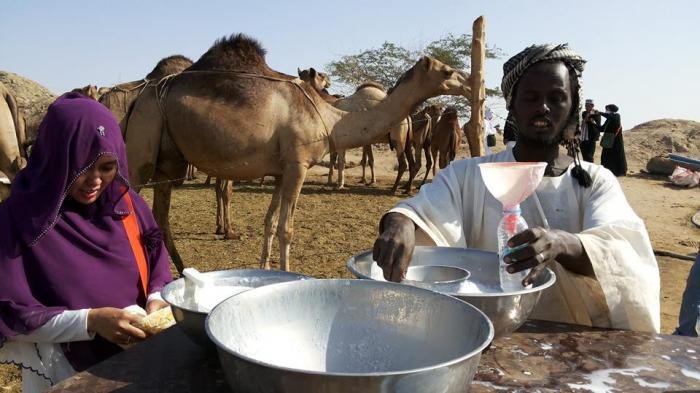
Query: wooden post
[474, 130]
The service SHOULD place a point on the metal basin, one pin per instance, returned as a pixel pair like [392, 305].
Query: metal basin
[190, 316]
[507, 310]
[347, 336]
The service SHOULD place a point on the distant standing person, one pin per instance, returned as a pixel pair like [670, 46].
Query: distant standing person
[590, 131]
[613, 155]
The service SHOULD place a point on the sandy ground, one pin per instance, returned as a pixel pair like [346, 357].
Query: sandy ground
[331, 225]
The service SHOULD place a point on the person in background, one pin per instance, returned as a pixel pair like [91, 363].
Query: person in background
[586, 231]
[613, 154]
[489, 131]
[77, 245]
[689, 315]
[590, 131]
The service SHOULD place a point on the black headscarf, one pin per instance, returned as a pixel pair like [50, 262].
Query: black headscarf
[515, 67]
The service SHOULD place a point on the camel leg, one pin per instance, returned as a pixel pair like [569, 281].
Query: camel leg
[333, 160]
[226, 195]
[363, 162]
[271, 219]
[207, 181]
[412, 171]
[401, 158]
[370, 162]
[161, 208]
[428, 165]
[291, 186]
[224, 192]
[434, 152]
[341, 170]
[219, 208]
[418, 158]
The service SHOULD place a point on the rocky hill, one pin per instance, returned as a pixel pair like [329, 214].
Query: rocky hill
[32, 98]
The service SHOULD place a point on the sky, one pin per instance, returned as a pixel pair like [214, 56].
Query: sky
[642, 55]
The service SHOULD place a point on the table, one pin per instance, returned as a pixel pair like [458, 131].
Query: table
[540, 356]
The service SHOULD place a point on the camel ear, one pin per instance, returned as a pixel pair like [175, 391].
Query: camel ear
[312, 72]
[298, 71]
[425, 62]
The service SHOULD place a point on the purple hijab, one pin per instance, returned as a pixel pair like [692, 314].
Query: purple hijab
[57, 254]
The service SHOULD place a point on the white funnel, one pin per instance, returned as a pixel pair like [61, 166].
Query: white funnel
[512, 182]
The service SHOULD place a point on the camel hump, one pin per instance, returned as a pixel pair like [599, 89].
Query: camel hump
[170, 65]
[372, 84]
[236, 52]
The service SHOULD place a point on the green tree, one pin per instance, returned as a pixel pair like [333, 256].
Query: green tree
[388, 62]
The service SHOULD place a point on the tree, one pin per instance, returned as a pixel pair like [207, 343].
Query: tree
[388, 62]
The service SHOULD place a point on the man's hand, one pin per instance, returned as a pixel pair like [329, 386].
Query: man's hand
[114, 324]
[542, 246]
[393, 248]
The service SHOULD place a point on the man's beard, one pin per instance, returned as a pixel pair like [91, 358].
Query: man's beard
[541, 139]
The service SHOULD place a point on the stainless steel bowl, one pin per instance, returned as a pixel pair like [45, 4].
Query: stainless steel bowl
[438, 278]
[190, 317]
[347, 336]
[507, 310]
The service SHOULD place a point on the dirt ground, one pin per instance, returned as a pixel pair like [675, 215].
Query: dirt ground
[332, 225]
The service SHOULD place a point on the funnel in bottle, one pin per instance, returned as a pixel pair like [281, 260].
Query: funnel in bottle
[512, 182]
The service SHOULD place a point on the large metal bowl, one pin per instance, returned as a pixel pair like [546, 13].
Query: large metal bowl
[190, 317]
[348, 336]
[507, 310]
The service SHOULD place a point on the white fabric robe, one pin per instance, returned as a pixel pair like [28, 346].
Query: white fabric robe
[457, 210]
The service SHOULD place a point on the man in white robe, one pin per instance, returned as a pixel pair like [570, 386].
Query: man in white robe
[599, 248]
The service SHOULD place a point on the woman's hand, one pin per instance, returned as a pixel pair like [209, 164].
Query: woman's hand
[155, 305]
[114, 324]
[393, 248]
[542, 246]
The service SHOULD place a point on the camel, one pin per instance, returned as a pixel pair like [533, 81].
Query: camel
[90, 91]
[367, 95]
[233, 117]
[12, 157]
[445, 138]
[424, 122]
[120, 98]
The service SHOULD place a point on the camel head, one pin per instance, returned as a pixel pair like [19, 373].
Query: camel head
[88, 91]
[318, 80]
[435, 78]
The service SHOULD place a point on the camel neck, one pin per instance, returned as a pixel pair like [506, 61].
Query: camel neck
[357, 129]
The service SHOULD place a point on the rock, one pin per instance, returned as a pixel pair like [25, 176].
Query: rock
[32, 99]
[661, 165]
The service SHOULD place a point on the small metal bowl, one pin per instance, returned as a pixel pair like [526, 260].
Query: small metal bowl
[446, 279]
[190, 316]
[347, 336]
[507, 310]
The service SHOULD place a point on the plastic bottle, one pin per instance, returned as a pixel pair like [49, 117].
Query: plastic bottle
[510, 225]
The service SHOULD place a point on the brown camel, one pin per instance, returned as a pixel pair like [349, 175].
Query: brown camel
[424, 122]
[445, 139]
[252, 121]
[366, 96]
[12, 158]
[120, 98]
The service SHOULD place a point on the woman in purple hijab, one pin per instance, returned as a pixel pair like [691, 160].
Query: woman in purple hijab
[66, 262]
